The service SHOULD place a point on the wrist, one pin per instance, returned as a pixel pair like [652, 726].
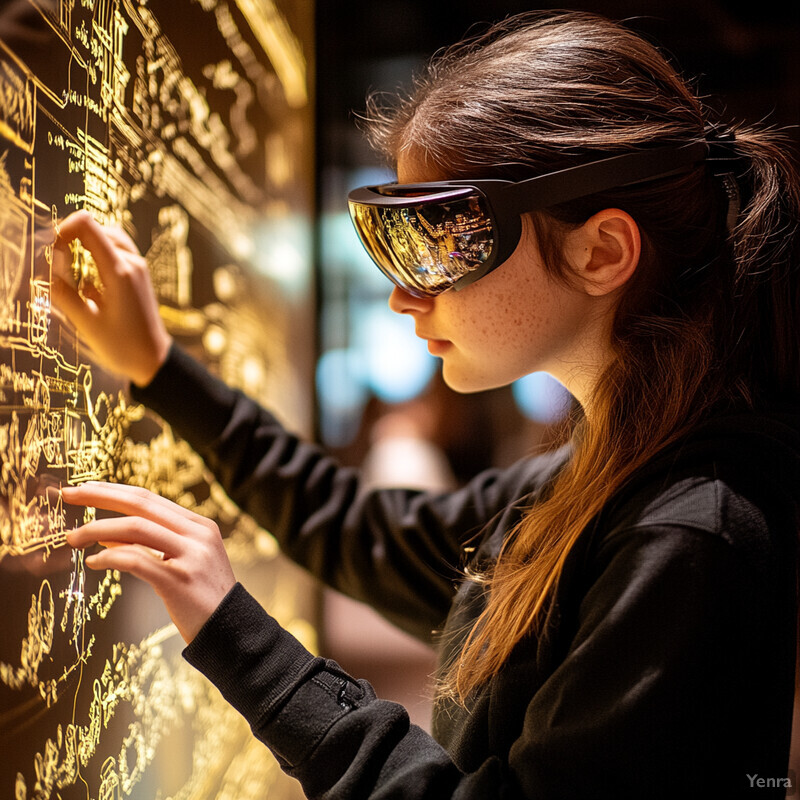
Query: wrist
[156, 357]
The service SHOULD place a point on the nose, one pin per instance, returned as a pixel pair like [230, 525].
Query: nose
[403, 302]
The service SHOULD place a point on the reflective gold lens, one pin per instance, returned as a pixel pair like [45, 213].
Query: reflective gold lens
[426, 248]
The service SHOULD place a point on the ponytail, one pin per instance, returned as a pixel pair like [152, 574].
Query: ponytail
[766, 255]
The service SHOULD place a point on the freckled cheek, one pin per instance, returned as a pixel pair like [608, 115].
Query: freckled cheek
[521, 318]
[473, 327]
[495, 314]
[491, 336]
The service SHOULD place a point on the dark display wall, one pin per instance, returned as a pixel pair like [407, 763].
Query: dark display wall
[189, 123]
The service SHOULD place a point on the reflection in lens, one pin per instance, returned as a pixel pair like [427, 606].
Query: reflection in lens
[428, 247]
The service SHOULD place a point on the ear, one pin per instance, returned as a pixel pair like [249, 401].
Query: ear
[604, 252]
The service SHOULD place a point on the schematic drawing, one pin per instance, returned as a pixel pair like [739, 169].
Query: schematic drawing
[186, 122]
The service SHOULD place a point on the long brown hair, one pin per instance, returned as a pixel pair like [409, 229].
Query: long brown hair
[707, 323]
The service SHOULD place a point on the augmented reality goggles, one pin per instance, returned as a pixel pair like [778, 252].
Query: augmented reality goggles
[430, 237]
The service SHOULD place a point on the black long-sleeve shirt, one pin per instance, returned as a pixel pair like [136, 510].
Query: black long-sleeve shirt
[666, 666]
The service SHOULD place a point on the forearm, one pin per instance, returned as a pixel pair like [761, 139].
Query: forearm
[326, 729]
[376, 548]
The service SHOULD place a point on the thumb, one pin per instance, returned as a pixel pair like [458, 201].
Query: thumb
[73, 306]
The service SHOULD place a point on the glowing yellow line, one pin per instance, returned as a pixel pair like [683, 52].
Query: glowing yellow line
[280, 45]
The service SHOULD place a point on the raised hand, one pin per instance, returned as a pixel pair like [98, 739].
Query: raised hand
[179, 553]
[121, 323]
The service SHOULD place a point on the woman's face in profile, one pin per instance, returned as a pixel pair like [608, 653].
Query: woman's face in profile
[514, 321]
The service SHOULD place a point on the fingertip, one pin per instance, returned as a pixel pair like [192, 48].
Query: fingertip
[82, 225]
[68, 495]
[67, 228]
[73, 540]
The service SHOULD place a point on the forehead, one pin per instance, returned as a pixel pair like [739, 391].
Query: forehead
[414, 167]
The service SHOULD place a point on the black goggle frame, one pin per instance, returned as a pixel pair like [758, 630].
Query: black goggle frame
[505, 201]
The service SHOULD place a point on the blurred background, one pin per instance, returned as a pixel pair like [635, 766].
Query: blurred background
[381, 400]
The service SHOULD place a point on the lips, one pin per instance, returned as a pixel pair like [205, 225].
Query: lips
[437, 347]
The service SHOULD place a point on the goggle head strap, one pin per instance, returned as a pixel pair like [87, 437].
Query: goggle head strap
[614, 172]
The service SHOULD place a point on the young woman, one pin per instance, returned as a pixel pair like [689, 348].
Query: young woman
[615, 618]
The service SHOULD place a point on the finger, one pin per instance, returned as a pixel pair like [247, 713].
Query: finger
[68, 300]
[80, 311]
[91, 294]
[158, 554]
[131, 559]
[121, 239]
[133, 500]
[128, 530]
[61, 263]
[82, 225]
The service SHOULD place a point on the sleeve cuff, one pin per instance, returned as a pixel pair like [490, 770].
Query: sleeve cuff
[247, 654]
[289, 697]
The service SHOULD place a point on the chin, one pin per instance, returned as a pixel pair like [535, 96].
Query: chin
[469, 383]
